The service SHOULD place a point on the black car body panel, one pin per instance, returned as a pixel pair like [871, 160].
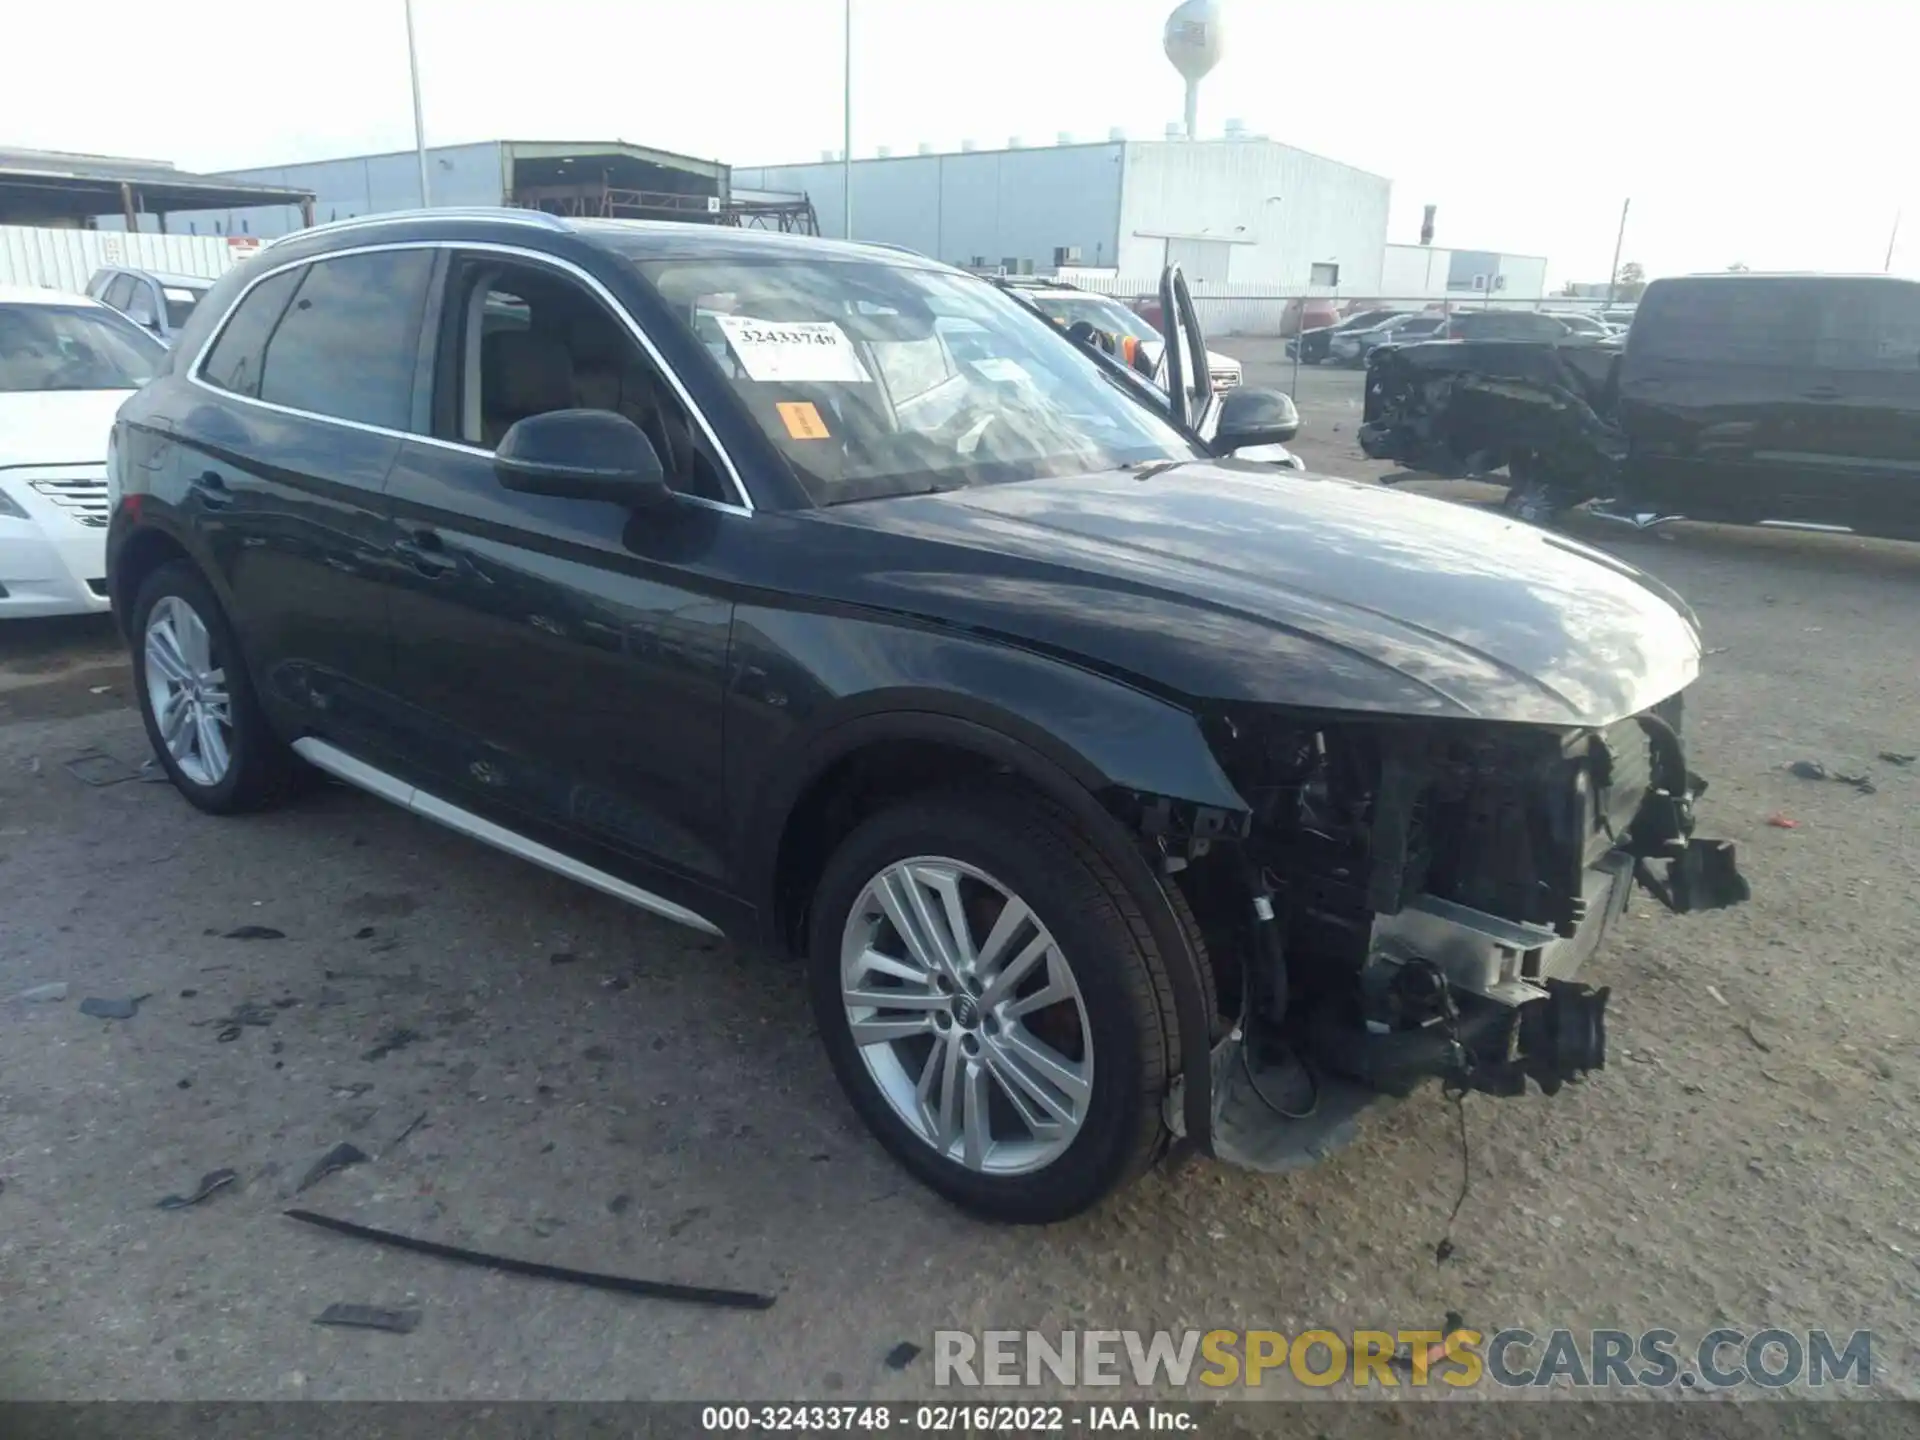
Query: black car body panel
[1278, 695]
[1786, 400]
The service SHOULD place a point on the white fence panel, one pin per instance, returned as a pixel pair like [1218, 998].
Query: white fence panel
[66, 259]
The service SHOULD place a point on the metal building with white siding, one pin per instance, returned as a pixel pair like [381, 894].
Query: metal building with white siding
[1236, 210]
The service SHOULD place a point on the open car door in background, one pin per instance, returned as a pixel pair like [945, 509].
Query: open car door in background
[1184, 372]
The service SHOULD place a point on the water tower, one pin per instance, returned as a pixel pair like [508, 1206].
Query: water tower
[1194, 41]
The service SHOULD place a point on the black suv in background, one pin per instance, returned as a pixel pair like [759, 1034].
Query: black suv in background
[1108, 787]
[1783, 400]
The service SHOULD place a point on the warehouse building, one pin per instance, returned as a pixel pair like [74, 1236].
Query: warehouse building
[604, 178]
[1242, 210]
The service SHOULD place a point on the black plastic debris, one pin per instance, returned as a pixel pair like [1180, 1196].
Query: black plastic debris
[902, 1355]
[1814, 770]
[562, 957]
[211, 1181]
[365, 932]
[370, 1317]
[397, 1040]
[1895, 757]
[412, 1125]
[335, 1160]
[116, 1008]
[1809, 769]
[255, 932]
[621, 1284]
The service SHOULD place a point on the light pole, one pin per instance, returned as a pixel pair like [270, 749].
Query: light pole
[419, 131]
[846, 138]
[1619, 240]
[1892, 240]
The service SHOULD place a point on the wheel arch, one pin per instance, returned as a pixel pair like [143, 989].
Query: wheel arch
[884, 754]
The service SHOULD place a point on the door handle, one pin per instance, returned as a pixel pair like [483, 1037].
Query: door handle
[211, 490]
[428, 553]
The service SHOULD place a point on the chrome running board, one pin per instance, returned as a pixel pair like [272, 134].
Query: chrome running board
[342, 766]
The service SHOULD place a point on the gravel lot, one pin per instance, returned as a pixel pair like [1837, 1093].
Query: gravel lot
[604, 1091]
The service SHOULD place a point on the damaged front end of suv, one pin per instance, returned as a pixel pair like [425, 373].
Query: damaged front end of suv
[1409, 900]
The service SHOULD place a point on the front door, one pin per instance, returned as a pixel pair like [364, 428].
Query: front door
[314, 368]
[561, 661]
[1859, 411]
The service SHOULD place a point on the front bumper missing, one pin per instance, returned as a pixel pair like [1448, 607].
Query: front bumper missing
[1518, 1016]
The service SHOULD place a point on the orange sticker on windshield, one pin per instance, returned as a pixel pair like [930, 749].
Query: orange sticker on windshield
[803, 420]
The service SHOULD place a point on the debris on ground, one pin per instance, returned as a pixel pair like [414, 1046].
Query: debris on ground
[1895, 757]
[247, 1012]
[562, 957]
[370, 1317]
[336, 1159]
[1814, 770]
[114, 1008]
[1782, 822]
[396, 1040]
[653, 1289]
[412, 1125]
[902, 1355]
[1404, 1359]
[1717, 996]
[44, 994]
[353, 1091]
[365, 932]
[619, 1204]
[1759, 1040]
[97, 768]
[211, 1181]
[255, 932]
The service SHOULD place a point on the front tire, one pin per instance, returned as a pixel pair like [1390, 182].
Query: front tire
[197, 701]
[994, 1004]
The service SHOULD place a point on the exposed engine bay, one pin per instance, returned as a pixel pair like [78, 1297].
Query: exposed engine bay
[1409, 900]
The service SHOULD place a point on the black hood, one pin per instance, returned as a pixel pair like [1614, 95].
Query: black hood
[1236, 581]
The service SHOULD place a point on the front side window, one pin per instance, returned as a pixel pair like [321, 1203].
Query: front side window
[522, 340]
[347, 345]
[1724, 322]
[120, 293]
[1099, 312]
[59, 347]
[876, 379]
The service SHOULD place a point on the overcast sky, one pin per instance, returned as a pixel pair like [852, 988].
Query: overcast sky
[1780, 135]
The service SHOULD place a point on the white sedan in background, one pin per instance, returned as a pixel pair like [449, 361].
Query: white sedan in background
[66, 364]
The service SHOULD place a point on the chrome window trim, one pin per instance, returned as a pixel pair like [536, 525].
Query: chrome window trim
[567, 267]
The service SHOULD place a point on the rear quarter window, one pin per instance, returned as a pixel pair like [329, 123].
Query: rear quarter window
[1723, 322]
[1868, 325]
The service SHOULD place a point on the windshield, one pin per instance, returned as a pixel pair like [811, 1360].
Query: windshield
[878, 380]
[57, 347]
[180, 302]
[1097, 311]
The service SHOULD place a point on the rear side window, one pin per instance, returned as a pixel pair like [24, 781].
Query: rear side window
[347, 345]
[1723, 322]
[1871, 325]
[235, 362]
[120, 293]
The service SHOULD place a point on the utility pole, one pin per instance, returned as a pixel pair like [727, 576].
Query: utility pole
[1892, 240]
[419, 130]
[846, 139]
[1613, 275]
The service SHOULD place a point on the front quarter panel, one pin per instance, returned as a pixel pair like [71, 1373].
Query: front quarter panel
[799, 676]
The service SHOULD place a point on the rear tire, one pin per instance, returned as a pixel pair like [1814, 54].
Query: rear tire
[1110, 1037]
[197, 700]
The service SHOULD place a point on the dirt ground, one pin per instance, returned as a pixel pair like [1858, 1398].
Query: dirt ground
[604, 1091]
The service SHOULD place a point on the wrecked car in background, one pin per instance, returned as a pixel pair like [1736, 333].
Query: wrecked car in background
[1789, 401]
[1107, 786]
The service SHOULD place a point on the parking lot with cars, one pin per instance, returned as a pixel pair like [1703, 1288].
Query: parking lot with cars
[525, 1067]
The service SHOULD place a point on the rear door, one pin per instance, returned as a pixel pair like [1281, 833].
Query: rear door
[563, 661]
[1710, 396]
[310, 383]
[1858, 418]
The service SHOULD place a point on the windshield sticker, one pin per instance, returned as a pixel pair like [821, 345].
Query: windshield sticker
[802, 419]
[803, 351]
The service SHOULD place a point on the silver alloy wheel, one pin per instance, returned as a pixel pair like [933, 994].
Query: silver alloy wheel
[188, 691]
[967, 1015]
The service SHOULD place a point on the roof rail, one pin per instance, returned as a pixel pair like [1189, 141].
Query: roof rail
[512, 215]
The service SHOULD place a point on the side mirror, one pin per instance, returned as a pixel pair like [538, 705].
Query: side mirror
[1254, 417]
[582, 455]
